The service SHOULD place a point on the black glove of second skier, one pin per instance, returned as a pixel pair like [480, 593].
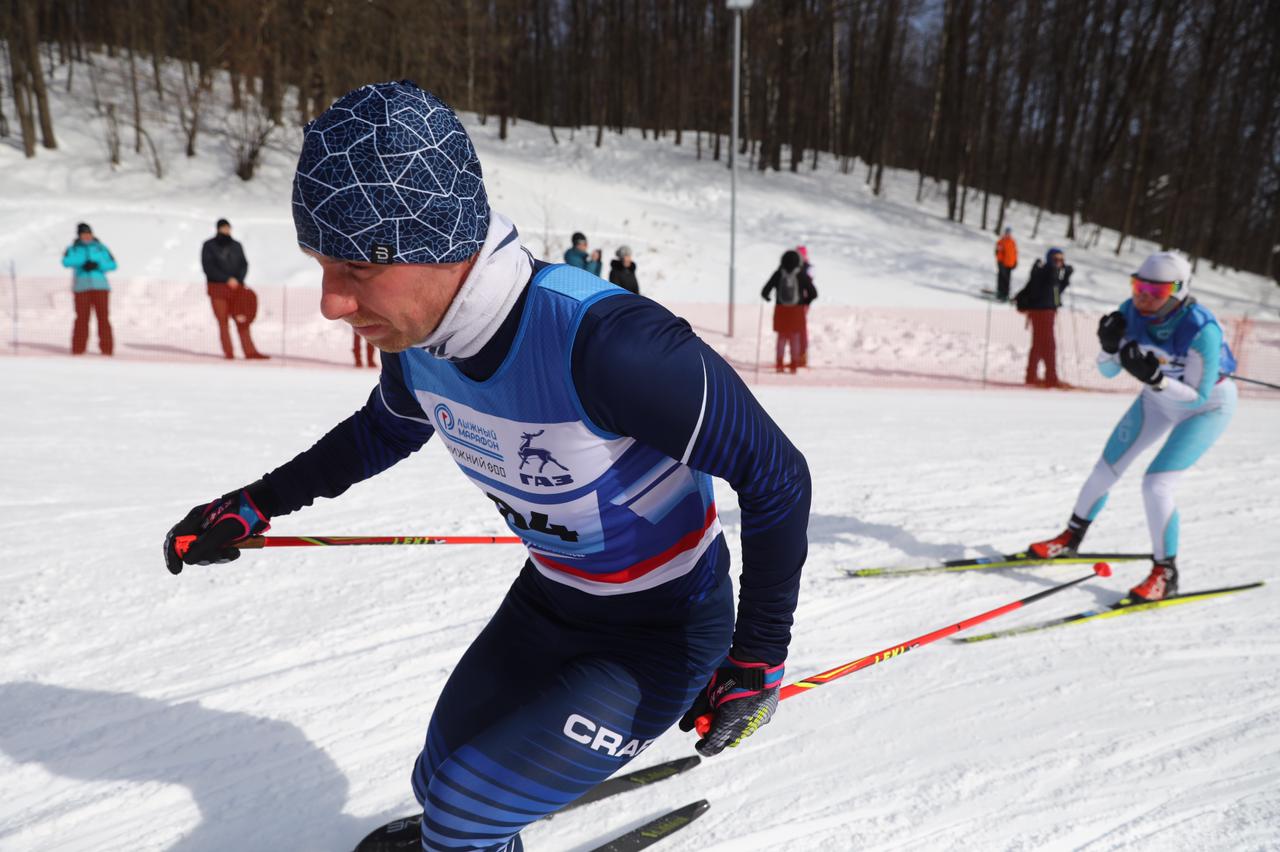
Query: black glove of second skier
[89, 265]
[1111, 332]
[739, 699]
[1143, 366]
[207, 535]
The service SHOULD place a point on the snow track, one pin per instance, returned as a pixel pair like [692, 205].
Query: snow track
[278, 702]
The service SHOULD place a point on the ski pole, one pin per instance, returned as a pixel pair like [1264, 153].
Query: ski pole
[182, 542]
[1253, 381]
[1101, 569]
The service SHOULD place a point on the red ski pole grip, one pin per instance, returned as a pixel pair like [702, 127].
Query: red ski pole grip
[703, 725]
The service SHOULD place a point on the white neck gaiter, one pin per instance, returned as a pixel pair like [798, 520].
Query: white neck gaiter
[486, 297]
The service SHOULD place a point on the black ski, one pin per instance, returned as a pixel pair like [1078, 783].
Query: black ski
[405, 834]
[999, 560]
[656, 829]
[631, 780]
[1124, 606]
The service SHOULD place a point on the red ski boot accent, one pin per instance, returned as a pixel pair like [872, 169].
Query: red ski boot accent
[1063, 545]
[1161, 583]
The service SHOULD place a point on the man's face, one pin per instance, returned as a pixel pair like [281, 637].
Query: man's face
[1058, 261]
[225, 230]
[580, 245]
[86, 237]
[393, 306]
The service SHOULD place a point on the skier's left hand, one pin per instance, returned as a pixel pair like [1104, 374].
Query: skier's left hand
[740, 697]
[213, 529]
[1143, 366]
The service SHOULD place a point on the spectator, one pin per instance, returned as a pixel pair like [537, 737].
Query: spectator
[1006, 260]
[91, 261]
[795, 290]
[355, 350]
[804, 330]
[1040, 300]
[577, 255]
[622, 270]
[225, 267]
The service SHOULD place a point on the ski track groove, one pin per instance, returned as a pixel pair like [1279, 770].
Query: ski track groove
[300, 682]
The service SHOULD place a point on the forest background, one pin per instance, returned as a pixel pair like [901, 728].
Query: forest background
[1158, 119]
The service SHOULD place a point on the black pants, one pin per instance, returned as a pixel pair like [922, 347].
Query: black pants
[1002, 282]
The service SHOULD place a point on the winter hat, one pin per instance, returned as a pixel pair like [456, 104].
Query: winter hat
[803, 252]
[1048, 256]
[1166, 266]
[790, 261]
[623, 251]
[1008, 230]
[388, 175]
[83, 228]
[222, 223]
[578, 237]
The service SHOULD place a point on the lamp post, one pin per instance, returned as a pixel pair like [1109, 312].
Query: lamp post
[737, 7]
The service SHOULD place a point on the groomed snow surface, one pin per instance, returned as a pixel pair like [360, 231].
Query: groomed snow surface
[278, 702]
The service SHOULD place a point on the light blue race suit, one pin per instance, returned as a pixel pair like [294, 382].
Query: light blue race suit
[1194, 408]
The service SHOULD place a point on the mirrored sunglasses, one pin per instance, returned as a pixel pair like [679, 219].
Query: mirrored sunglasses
[1156, 289]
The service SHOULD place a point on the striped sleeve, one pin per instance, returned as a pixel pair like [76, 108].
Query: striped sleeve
[642, 372]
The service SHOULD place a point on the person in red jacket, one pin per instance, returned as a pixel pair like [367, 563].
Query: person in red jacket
[1006, 261]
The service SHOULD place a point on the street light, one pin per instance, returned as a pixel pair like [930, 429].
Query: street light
[737, 7]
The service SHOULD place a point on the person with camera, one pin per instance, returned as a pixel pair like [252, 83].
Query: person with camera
[577, 255]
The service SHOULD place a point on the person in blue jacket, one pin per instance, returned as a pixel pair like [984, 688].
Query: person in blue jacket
[1174, 346]
[593, 421]
[91, 261]
[577, 255]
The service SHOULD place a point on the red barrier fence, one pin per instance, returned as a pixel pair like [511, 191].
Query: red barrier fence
[986, 346]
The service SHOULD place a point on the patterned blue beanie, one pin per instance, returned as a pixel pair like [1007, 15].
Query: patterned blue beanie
[388, 175]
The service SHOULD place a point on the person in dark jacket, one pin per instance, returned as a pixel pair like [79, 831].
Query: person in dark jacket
[795, 291]
[1040, 300]
[91, 261]
[622, 270]
[578, 256]
[225, 267]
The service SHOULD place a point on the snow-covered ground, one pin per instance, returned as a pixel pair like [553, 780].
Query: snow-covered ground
[278, 702]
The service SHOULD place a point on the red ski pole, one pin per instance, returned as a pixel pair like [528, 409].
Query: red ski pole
[182, 542]
[1101, 569]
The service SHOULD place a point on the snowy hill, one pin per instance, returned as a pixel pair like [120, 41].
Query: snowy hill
[671, 208]
[277, 703]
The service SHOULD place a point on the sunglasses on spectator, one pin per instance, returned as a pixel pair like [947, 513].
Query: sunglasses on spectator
[1155, 289]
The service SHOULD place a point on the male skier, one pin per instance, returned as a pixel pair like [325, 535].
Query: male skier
[1174, 346]
[594, 420]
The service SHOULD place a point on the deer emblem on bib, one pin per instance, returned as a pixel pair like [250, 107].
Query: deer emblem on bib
[527, 451]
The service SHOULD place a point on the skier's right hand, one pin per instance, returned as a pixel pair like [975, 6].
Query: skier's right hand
[1111, 331]
[740, 698]
[207, 534]
[89, 265]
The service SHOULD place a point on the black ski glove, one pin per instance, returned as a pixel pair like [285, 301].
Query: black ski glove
[740, 698]
[207, 534]
[1143, 366]
[89, 265]
[1111, 332]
